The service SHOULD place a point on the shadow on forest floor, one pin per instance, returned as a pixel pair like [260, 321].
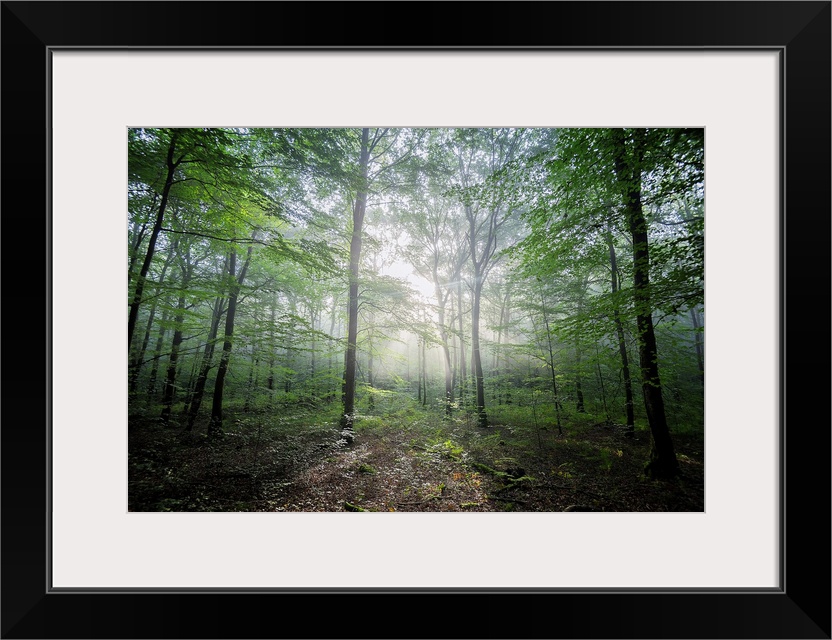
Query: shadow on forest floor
[410, 460]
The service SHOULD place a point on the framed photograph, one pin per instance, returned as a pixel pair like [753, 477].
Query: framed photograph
[754, 77]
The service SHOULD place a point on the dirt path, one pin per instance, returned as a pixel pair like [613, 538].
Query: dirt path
[407, 466]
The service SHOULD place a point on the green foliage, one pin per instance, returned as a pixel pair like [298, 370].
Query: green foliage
[446, 448]
[555, 199]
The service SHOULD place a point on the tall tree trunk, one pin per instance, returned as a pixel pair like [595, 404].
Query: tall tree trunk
[154, 234]
[628, 160]
[441, 301]
[371, 401]
[330, 393]
[251, 379]
[215, 425]
[424, 374]
[476, 359]
[139, 357]
[169, 393]
[601, 383]
[551, 362]
[498, 382]
[579, 392]
[419, 371]
[694, 316]
[446, 360]
[622, 344]
[134, 247]
[160, 341]
[463, 373]
[272, 344]
[348, 392]
[207, 359]
[455, 355]
[289, 351]
[314, 312]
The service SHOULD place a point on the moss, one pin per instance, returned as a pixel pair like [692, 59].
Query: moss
[484, 468]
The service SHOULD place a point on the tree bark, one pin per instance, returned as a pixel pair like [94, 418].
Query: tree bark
[215, 425]
[205, 368]
[622, 344]
[700, 360]
[476, 359]
[139, 358]
[160, 341]
[169, 393]
[348, 390]
[463, 372]
[551, 363]
[424, 374]
[154, 234]
[441, 301]
[628, 161]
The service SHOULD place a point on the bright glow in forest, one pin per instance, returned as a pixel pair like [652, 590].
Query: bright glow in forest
[416, 319]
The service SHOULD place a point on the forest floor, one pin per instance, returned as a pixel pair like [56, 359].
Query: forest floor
[406, 460]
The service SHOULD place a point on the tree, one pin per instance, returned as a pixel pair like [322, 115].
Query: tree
[484, 158]
[595, 173]
[629, 156]
[380, 154]
[236, 282]
[359, 208]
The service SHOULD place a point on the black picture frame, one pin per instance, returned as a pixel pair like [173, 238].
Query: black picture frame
[800, 31]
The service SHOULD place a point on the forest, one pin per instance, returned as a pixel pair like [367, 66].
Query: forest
[415, 319]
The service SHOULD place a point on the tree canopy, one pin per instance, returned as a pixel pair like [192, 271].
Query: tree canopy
[496, 278]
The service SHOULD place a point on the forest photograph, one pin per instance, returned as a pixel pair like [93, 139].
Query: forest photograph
[415, 319]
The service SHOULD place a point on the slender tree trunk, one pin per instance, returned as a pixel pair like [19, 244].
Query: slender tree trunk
[251, 383]
[370, 399]
[215, 425]
[424, 374]
[272, 344]
[449, 383]
[463, 374]
[551, 363]
[330, 393]
[419, 371]
[694, 316]
[134, 249]
[160, 341]
[507, 362]
[314, 313]
[579, 392]
[476, 360]
[289, 351]
[137, 361]
[663, 462]
[622, 344]
[154, 234]
[498, 382]
[169, 393]
[348, 392]
[207, 359]
[455, 354]
[441, 300]
[601, 383]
